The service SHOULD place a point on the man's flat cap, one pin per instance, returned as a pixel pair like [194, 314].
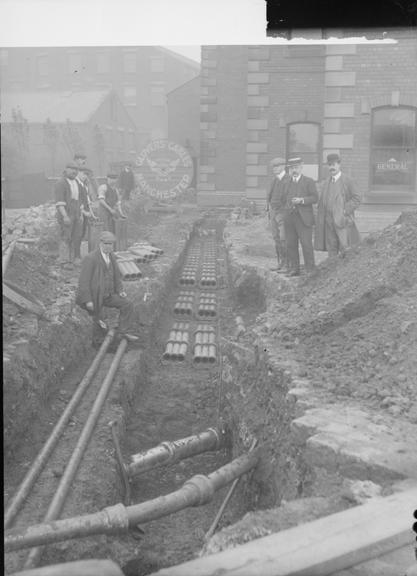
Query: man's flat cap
[84, 169]
[333, 158]
[294, 161]
[71, 166]
[112, 175]
[278, 161]
[107, 236]
[80, 156]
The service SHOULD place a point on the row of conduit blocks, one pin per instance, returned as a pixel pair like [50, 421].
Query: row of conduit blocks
[127, 260]
[177, 345]
[207, 305]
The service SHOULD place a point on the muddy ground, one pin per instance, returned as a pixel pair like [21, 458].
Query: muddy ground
[352, 331]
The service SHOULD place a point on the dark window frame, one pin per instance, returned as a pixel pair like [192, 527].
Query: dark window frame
[289, 154]
[401, 188]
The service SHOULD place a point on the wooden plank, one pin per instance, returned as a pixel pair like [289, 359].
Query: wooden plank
[317, 548]
[22, 299]
[78, 568]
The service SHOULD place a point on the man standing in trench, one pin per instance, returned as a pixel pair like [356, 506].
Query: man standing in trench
[67, 199]
[100, 285]
[110, 203]
[335, 228]
[275, 206]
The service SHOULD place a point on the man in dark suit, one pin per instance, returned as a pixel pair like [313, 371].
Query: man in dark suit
[275, 206]
[301, 194]
[100, 285]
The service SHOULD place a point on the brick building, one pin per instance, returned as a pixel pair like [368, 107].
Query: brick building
[141, 76]
[359, 100]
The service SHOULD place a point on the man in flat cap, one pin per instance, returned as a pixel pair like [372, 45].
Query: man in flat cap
[275, 205]
[110, 202]
[68, 205]
[85, 199]
[335, 228]
[100, 285]
[301, 194]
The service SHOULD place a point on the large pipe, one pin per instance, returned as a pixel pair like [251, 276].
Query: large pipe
[119, 519]
[170, 452]
[77, 568]
[43, 456]
[6, 257]
[59, 498]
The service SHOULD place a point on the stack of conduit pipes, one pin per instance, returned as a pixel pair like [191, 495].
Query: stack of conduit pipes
[205, 349]
[119, 519]
[184, 303]
[58, 501]
[207, 304]
[176, 348]
[128, 269]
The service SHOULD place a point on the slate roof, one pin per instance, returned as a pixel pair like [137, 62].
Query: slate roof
[36, 107]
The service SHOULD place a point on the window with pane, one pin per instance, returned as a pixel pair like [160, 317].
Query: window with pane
[303, 139]
[393, 147]
[158, 95]
[129, 62]
[129, 94]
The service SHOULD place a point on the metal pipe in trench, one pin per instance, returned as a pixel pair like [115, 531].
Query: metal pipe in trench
[119, 519]
[43, 456]
[59, 498]
[170, 452]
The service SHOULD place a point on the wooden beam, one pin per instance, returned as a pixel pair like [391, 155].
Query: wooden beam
[22, 299]
[317, 548]
[79, 568]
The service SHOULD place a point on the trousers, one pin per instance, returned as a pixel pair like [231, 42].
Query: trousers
[126, 315]
[297, 232]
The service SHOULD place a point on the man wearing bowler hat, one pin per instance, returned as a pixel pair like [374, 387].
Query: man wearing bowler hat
[301, 194]
[335, 228]
[100, 285]
[275, 205]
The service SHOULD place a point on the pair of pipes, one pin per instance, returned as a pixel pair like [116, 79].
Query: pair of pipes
[119, 519]
[61, 494]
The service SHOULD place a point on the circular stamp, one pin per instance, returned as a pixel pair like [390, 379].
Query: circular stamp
[165, 169]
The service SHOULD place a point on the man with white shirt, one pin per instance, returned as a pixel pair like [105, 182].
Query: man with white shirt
[100, 285]
[300, 193]
[275, 206]
[67, 200]
[336, 229]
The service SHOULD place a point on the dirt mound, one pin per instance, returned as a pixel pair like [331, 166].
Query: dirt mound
[353, 328]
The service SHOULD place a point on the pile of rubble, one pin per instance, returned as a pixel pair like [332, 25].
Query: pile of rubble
[30, 223]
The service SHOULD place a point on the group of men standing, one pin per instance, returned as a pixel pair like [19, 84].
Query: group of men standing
[290, 207]
[75, 194]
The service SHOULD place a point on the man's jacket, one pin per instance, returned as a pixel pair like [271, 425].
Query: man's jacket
[91, 281]
[276, 197]
[344, 204]
[306, 189]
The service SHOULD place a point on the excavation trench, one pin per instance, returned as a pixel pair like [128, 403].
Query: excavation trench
[190, 375]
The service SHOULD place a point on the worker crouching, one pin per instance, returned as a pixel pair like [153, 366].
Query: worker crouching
[100, 285]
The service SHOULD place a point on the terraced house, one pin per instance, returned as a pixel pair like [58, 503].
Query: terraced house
[359, 100]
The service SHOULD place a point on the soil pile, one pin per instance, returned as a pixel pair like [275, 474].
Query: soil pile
[353, 328]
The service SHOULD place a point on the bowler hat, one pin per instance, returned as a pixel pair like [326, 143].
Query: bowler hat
[278, 161]
[294, 161]
[333, 158]
[107, 236]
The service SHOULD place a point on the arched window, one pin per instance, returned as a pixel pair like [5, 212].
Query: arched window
[303, 139]
[393, 148]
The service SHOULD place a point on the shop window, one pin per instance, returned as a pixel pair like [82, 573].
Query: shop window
[129, 95]
[303, 139]
[129, 62]
[393, 147]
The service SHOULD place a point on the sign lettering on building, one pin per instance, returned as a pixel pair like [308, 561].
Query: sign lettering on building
[391, 164]
[164, 169]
